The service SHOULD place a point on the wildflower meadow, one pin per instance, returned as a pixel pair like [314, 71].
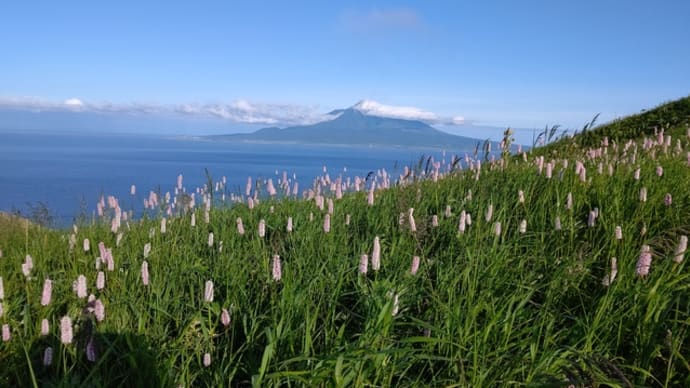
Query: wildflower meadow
[561, 265]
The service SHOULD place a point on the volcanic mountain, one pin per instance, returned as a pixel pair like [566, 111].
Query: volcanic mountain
[357, 126]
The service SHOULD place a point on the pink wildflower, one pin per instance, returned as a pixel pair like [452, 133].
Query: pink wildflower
[100, 280]
[86, 245]
[208, 291]
[277, 269]
[207, 359]
[363, 264]
[489, 212]
[66, 334]
[668, 199]
[549, 170]
[434, 221]
[47, 292]
[27, 266]
[636, 175]
[376, 255]
[240, 226]
[99, 310]
[210, 239]
[410, 215]
[270, 188]
[659, 171]
[521, 196]
[6, 333]
[109, 259]
[448, 212]
[523, 226]
[592, 218]
[79, 286]
[415, 265]
[643, 194]
[463, 222]
[145, 273]
[327, 223]
[45, 327]
[289, 225]
[619, 233]
[2, 289]
[497, 228]
[102, 250]
[680, 250]
[396, 305]
[225, 318]
[262, 228]
[164, 225]
[644, 262]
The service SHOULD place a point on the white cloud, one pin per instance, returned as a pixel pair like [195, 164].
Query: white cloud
[73, 102]
[28, 103]
[259, 113]
[239, 111]
[373, 108]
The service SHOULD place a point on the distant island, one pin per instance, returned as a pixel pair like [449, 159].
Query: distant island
[354, 126]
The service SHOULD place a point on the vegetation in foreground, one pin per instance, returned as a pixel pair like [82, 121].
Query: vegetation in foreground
[554, 268]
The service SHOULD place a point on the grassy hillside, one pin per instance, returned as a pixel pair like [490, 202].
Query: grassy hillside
[533, 271]
[673, 117]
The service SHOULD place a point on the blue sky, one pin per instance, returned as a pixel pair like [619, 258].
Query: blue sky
[503, 63]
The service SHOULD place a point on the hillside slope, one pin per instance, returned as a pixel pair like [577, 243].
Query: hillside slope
[570, 269]
[672, 116]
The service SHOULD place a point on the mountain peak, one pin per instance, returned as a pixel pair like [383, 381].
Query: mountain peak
[365, 105]
[366, 123]
[374, 108]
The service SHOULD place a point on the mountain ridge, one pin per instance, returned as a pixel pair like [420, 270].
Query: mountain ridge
[353, 126]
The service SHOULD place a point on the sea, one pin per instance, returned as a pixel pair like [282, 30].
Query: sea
[65, 175]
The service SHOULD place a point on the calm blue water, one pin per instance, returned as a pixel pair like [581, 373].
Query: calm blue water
[68, 173]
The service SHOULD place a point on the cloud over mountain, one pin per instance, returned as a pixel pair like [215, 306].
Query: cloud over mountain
[74, 102]
[373, 108]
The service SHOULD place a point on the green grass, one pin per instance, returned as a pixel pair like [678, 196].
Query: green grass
[514, 309]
